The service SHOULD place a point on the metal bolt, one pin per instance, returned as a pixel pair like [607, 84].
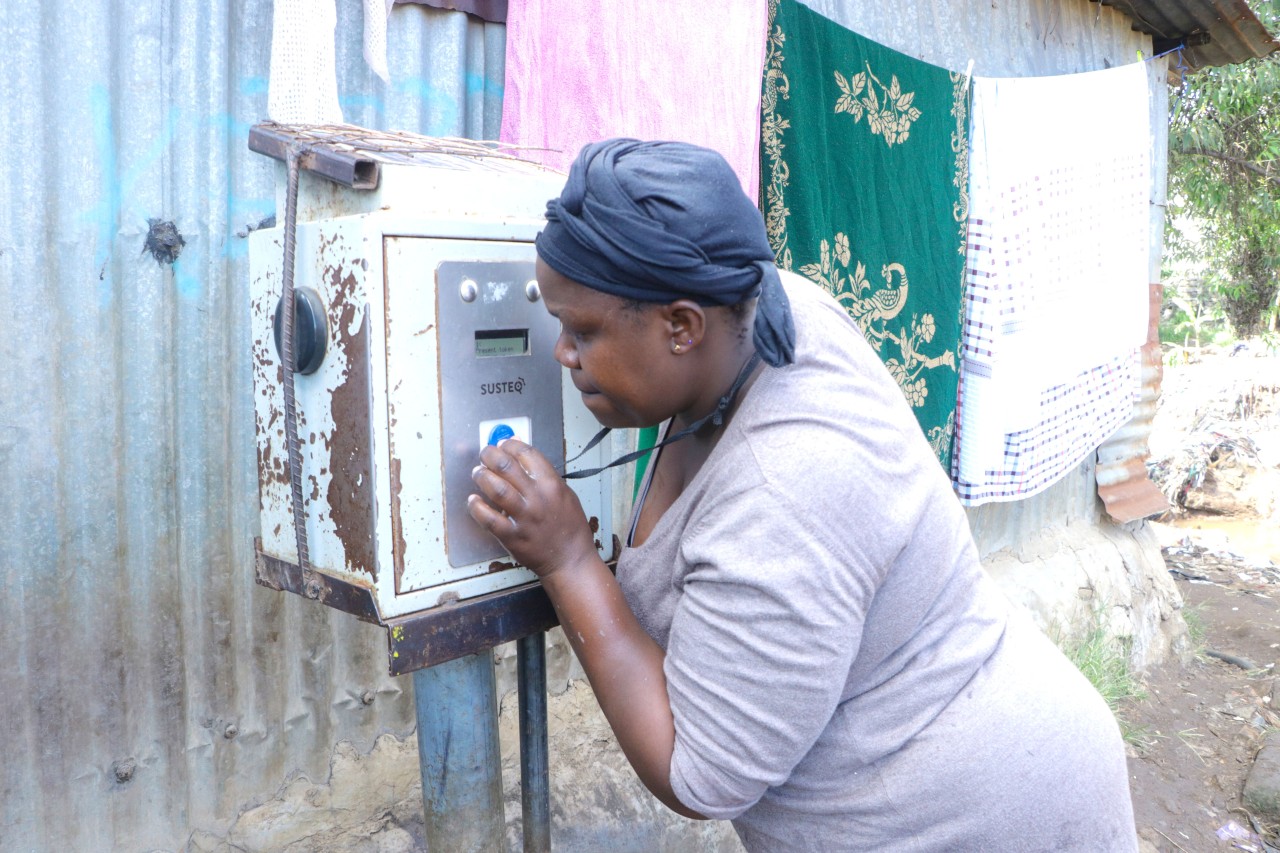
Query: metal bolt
[313, 590]
[367, 697]
[532, 291]
[469, 290]
[230, 731]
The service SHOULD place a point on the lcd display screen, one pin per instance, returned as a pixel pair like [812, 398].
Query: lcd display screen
[494, 343]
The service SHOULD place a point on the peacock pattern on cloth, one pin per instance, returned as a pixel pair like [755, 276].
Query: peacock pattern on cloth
[865, 183]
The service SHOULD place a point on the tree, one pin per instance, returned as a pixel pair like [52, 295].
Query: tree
[1224, 174]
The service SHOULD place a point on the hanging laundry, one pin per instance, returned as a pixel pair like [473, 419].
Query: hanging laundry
[375, 36]
[1056, 301]
[303, 86]
[582, 70]
[865, 181]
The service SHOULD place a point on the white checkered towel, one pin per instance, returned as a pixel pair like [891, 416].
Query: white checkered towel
[1056, 298]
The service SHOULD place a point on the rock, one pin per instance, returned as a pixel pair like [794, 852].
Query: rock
[1146, 844]
[1222, 492]
[1262, 787]
[394, 840]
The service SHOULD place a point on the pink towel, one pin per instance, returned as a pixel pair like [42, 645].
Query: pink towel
[688, 70]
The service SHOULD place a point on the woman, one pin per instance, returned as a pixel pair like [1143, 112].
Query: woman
[800, 637]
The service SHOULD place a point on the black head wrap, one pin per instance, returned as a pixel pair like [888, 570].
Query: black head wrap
[660, 221]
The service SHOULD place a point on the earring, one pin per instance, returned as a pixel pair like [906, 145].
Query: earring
[675, 348]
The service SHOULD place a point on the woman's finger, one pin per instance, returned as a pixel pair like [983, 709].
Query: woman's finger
[498, 489]
[503, 463]
[530, 460]
[483, 514]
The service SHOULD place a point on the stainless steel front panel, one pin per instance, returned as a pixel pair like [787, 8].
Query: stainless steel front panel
[478, 383]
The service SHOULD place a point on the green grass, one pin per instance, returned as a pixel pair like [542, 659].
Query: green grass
[1105, 662]
[1194, 617]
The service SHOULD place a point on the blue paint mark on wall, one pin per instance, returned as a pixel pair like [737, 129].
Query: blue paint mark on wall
[357, 102]
[442, 109]
[188, 285]
[491, 88]
[253, 86]
[114, 206]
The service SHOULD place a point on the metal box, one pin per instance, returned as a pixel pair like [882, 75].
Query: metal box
[436, 337]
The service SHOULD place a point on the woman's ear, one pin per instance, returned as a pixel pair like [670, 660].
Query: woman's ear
[686, 324]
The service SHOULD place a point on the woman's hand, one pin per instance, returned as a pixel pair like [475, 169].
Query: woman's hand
[530, 510]
[527, 506]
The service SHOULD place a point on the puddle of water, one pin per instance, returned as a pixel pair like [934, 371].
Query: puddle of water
[1250, 537]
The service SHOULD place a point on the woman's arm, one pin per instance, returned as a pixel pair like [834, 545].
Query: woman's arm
[540, 522]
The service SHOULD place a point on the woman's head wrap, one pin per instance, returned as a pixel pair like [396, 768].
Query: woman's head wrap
[661, 221]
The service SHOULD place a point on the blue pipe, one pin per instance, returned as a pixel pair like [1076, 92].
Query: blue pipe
[457, 709]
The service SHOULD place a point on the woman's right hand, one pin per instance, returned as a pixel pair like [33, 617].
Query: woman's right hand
[526, 505]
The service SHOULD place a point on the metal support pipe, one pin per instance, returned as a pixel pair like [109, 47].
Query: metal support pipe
[535, 786]
[458, 752]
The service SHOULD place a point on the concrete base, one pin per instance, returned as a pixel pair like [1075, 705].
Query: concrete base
[1078, 576]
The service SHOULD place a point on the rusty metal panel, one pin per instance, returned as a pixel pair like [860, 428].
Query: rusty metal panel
[1126, 491]
[152, 689]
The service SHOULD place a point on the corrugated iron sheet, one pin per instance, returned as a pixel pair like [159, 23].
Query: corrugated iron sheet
[1123, 484]
[150, 688]
[1212, 32]
[1017, 38]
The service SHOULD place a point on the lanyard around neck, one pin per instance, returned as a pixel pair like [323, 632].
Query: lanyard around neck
[716, 417]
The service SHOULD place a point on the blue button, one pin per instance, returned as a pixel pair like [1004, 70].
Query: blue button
[500, 432]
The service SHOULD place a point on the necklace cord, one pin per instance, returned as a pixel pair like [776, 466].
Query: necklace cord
[716, 417]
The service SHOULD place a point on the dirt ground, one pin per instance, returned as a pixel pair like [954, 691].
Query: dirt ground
[1195, 734]
[1200, 725]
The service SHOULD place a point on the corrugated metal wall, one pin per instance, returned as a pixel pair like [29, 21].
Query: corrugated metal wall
[149, 687]
[1016, 38]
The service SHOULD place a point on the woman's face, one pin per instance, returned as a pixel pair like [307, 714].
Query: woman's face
[619, 356]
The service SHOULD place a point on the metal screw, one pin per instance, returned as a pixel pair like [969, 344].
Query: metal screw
[469, 290]
[532, 291]
[230, 731]
[313, 590]
[367, 697]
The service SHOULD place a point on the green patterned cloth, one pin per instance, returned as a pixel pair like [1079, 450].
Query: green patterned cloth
[865, 172]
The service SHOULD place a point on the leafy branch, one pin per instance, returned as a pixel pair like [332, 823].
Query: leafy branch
[1242, 163]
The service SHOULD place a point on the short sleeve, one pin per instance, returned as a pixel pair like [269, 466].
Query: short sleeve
[768, 624]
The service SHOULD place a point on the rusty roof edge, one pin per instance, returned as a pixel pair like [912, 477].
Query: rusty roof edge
[1235, 32]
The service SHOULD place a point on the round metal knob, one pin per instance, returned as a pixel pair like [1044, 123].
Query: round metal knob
[310, 330]
[468, 290]
[532, 291]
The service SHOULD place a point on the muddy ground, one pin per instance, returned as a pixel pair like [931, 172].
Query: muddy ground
[1194, 735]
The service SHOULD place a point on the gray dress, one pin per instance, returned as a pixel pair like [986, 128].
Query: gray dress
[842, 673]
